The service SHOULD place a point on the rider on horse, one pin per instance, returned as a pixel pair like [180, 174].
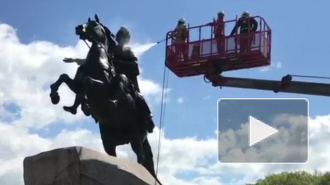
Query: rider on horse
[125, 62]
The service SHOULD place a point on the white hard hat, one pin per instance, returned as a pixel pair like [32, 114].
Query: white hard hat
[221, 13]
[182, 20]
[245, 13]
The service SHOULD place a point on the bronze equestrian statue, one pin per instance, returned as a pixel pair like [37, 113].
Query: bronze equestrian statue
[108, 95]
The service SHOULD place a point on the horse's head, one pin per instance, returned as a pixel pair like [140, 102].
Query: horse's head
[94, 31]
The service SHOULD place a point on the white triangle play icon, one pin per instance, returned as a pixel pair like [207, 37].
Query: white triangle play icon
[259, 131]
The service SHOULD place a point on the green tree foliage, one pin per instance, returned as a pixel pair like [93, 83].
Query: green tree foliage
[325, 179]
[295, 178]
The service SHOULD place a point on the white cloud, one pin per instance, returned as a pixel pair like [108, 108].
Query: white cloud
[180, 100]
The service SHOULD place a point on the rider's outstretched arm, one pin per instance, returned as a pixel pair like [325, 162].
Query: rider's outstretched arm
[77, 60]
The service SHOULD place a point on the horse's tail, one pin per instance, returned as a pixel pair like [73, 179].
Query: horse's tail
[149, 159]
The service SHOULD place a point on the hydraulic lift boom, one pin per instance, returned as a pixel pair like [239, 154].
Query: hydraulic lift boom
[285, 85]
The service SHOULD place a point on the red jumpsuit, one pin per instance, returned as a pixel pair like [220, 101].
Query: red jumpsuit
[219, 34]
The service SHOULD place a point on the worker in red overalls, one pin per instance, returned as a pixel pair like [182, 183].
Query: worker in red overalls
[219, 32]
[248, 25]
[179, 38]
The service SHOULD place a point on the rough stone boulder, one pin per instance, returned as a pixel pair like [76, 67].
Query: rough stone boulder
[82, 166]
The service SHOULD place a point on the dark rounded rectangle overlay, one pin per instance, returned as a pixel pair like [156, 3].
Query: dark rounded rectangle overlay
[288, 116]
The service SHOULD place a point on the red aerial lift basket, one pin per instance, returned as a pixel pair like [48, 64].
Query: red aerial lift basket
[199, 54]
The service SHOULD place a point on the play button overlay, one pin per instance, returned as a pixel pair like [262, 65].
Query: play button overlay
[259, 131]
[262, 130]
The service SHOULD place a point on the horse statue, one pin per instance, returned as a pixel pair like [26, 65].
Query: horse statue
[107, 96]
[125, 62]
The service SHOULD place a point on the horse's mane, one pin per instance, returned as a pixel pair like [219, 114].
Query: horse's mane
[110, 37]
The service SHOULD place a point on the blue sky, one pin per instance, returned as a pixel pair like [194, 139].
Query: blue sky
[299, 34]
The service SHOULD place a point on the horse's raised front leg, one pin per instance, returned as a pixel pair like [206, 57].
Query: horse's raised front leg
[63, 78]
